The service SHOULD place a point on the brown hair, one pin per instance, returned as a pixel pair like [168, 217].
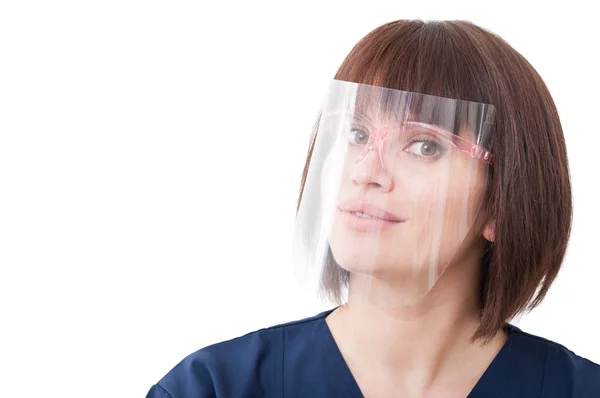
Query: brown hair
[529, 190]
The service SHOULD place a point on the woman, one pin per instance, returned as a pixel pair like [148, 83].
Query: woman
[435, 205]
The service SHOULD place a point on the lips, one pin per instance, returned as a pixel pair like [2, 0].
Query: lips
[369, 209]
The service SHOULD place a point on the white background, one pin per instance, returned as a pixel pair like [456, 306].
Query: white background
[150, 159]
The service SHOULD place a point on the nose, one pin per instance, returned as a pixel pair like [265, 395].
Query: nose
[369, 171]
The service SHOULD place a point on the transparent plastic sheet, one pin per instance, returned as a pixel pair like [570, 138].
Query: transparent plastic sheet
[393, 193]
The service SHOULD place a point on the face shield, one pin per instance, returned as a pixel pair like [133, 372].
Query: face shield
[394, 192]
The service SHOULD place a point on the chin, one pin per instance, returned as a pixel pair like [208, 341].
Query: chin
[383, 263]
[363, 261]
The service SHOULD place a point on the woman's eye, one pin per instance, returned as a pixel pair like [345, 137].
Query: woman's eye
[424, 148]
[358, 137]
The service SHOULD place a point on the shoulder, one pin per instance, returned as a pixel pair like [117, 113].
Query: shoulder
[564, 373]
[249, 365]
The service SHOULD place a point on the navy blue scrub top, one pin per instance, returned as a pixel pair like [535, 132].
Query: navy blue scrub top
[301, 359]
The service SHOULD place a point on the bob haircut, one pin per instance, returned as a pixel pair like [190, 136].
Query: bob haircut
[528, 194]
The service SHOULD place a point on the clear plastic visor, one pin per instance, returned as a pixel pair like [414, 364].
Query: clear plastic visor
[394, 193]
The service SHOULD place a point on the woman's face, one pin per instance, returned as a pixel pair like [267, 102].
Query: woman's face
[405, 207]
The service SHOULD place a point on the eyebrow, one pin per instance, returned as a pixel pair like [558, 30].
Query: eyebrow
[437, 129]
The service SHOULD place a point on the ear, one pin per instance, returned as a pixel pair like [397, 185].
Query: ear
[489, 231]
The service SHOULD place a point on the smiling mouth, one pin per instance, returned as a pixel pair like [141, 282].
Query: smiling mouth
[362, 222]
[364, 215]
[365, 209]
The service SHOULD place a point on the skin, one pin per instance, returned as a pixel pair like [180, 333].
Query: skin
[413, 301]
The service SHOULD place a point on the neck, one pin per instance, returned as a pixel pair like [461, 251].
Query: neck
[422, 332]
[424, 341]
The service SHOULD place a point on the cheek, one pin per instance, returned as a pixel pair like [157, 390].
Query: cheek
[335, 178]
[334, 172]
[426, 197]
[329, 181]
[444, 206]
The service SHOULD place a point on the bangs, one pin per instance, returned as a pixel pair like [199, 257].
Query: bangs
[431, 58]
[437, 59]
[398, 106]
